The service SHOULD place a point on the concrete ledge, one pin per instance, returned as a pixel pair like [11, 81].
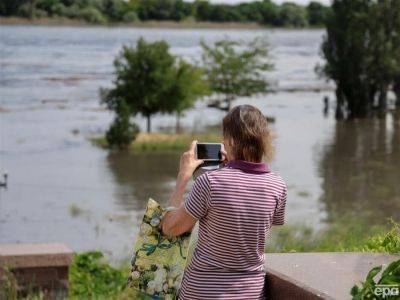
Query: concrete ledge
[38, 266]
[35, 255]
[322, 275]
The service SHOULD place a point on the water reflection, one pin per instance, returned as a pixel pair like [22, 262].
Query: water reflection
[143, 175]
[361, 170]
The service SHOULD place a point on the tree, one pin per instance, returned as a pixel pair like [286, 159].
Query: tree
[292, 15]
[346, 57]
[395, 41]
[150, 80]
[10, 7]
[203, 10]
[235, 69]
[143, 79]
[181, 10]
[270, 12]
[156, 9]
[317, 13]
[382, 57]
[250, 12]
[114, 9]
[396, 90]
[187, 88]
[361, 51]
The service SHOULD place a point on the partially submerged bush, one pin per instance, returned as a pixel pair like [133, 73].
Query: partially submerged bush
[122, 131]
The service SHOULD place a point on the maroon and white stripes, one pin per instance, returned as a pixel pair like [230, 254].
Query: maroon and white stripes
[236, 207]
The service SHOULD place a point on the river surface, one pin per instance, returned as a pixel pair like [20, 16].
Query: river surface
[61, 188]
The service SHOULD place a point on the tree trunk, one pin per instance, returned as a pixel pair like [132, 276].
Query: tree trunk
[396, 90]
[178, 122]
[339, 114]
[32, 9]
[382, 99]
[148, 123]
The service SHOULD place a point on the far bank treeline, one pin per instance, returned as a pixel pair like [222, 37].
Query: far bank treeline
[110, 11]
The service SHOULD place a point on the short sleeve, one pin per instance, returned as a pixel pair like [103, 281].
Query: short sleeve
[198, 201]
[279, 214]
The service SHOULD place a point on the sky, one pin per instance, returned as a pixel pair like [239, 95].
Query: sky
[276, 1]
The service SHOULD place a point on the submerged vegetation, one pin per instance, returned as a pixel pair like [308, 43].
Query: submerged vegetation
[125, 11]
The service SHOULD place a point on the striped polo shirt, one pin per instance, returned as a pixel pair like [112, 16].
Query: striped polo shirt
[236, 207]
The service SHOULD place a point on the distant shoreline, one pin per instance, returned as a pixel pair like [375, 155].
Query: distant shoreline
[139, 24]
[142, 24]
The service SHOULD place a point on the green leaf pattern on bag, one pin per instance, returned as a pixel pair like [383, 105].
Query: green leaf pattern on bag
[158, 262]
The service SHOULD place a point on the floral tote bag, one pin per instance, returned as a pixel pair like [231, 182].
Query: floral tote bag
[158, 262]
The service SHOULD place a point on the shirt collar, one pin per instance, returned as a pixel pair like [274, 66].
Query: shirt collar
[249, 167]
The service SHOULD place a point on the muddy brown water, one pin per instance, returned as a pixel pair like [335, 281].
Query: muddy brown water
[61, 188]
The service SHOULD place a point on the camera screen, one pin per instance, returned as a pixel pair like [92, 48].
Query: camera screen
[209, 151]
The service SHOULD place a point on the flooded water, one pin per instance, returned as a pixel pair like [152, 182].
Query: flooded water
[61, 188]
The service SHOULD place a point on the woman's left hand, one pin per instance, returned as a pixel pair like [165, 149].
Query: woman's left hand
[189, 163]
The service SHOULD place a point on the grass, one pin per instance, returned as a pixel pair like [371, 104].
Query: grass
[348, 235]
[161, 142]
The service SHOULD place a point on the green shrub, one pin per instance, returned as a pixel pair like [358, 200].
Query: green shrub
[390, 276]
[27, 11]
[40, 13]
[122, 132]
[90, 277]
[73, 11]
[130, 16]
[8, 286]
[388, 242]
[92, 15]
[59, 9]
[24, 10]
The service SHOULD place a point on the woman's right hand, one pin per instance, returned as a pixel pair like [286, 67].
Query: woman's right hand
[189, 163]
